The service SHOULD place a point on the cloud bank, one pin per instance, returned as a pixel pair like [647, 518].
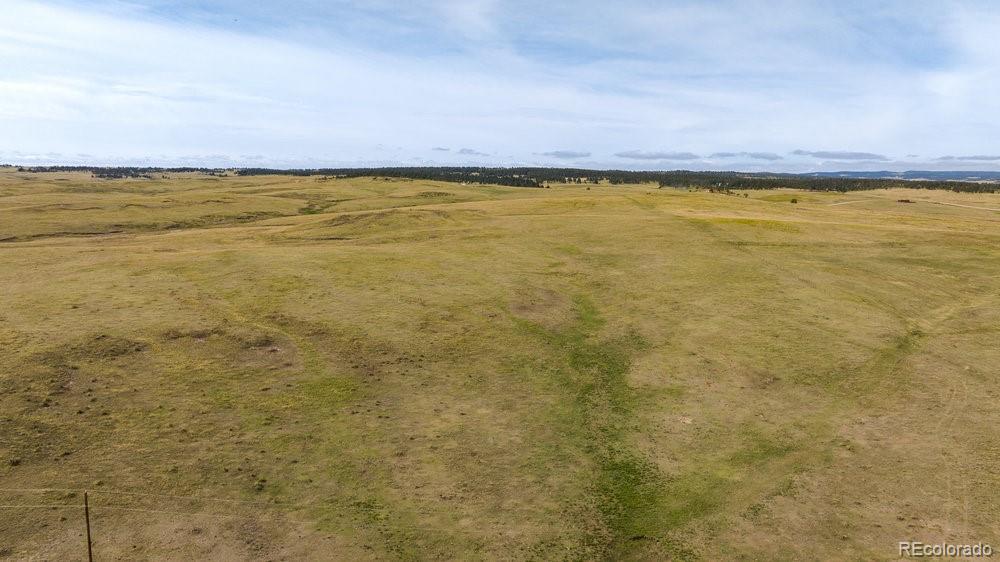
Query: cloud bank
[641, 155]
[841, 155]
[753, 155]
[566, 154]
[978, 158]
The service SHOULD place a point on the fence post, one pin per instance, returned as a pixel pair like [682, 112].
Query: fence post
[86, 515]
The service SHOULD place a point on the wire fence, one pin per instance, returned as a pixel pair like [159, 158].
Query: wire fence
[127, 501]
[142, 494]
[111, 501]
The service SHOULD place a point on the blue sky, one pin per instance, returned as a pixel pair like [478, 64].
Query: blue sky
[784, 86]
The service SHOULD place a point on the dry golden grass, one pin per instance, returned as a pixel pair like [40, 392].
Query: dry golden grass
[309, 368]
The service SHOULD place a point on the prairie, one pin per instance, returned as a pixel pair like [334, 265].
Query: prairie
[310, 368]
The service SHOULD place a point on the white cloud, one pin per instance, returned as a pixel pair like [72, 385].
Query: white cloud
[566, 154]
[656, 155]
[470, 18]
[842, 155]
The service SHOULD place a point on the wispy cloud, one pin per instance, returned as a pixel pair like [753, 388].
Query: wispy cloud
[471, 152]
[441, 149]
[753, 155]
[642, 155]
[979, 158]
[566, 154]
[840, 155]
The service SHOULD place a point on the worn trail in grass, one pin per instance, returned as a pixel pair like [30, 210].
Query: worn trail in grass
[629, 489]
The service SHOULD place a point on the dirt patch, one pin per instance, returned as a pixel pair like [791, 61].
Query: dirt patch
[758, 223]
[197, 334]
[99, 347]
[110, 347]
[542, 306]
[246, 345]
[253, 339]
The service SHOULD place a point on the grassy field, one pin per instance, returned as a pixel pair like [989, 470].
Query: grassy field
[311, 368]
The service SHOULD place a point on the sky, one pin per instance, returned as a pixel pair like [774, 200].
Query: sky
[781, 86]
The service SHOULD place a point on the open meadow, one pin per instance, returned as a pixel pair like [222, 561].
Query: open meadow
[282, 368]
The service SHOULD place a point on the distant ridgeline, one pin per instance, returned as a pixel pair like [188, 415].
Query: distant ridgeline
[978, 182]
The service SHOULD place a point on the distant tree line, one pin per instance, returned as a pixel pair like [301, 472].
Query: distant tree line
[540, 177]
[514, 177]
[120, 173]
[721, 181]
[129, 171]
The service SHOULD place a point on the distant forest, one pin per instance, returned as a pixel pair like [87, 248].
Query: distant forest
[541, 177]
